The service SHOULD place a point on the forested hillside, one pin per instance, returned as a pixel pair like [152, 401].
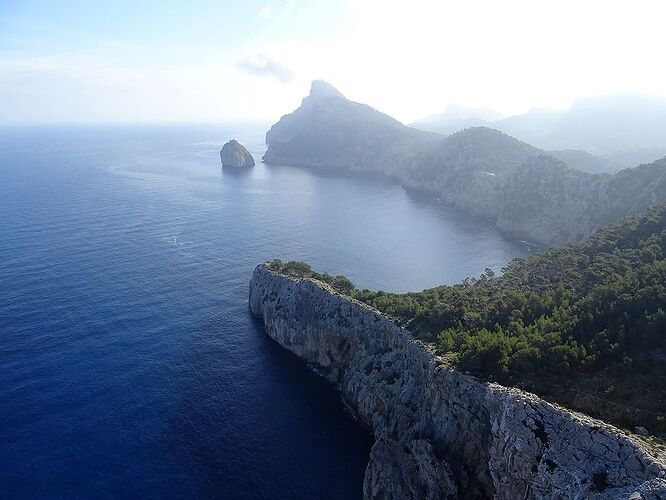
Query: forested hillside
[583, 324]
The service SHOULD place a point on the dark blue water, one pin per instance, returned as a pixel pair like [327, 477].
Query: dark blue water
[129, 363]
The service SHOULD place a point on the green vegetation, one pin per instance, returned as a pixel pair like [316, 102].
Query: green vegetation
[302, 270]
[583, 324]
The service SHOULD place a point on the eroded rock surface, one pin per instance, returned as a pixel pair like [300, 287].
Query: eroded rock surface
[440, 433]
[234, 154]
[411, 470]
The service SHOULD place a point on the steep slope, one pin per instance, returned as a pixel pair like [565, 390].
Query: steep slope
[587, 162]
[479, 169]
[438, 432]
[634, 189]
[328, 130]
[469, 168]
[547, 201]
[583, 324]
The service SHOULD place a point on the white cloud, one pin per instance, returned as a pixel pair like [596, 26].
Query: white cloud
[263, 65]
[273, 11]
[408, 60]
[266, 11]
[412, 59]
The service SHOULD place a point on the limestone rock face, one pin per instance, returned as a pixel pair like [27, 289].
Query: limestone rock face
[440, 433]
[412, 470]
[330, 131]
[234, 154]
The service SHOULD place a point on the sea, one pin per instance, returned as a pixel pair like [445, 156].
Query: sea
[130, 365]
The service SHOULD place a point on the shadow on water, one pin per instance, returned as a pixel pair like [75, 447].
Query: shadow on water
[337, 173]
[428, 199]
[282, 457]
[235, 171]
[431, 200]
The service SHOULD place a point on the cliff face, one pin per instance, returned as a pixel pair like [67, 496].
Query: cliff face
[480, 170]
[234, 154]
[330, 131]
[440, 433]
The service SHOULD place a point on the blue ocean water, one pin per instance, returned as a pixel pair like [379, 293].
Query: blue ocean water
[130, 366]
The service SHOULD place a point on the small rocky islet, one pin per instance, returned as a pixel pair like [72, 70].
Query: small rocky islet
[234, 154]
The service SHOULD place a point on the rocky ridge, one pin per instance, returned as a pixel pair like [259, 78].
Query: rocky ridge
[478, 169]
[440, 433]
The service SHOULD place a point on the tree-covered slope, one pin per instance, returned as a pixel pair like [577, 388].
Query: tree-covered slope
[583, 324]
[548, 201]
[587, 162]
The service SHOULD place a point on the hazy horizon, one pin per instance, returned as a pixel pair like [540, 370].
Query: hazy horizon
[332, 249]
[215, 62]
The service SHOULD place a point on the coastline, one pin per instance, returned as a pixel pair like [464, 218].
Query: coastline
[492, 441]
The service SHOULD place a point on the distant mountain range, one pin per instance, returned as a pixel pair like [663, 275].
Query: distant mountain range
[457, 118]
[620, 130]
[529, 193]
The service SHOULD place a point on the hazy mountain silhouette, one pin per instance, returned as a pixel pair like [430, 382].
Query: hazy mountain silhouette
[621, 129]
[529, 193]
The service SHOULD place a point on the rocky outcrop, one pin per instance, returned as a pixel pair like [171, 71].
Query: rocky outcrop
[234, 154]
[440, 433]
[478, 169]
[328, 130]
[407, 470]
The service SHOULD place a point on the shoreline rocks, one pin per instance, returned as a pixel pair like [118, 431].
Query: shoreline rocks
[440, 433]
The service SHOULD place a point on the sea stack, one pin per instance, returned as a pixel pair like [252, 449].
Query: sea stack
[234, 154]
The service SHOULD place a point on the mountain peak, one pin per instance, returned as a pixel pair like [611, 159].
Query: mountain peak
[321, 88]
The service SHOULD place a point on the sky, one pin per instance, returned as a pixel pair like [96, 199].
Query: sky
[215, 61]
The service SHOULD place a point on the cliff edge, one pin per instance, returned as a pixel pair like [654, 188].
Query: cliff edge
[438, 432]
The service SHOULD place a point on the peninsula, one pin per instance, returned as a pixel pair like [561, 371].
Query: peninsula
[528, 193]
[439, 376]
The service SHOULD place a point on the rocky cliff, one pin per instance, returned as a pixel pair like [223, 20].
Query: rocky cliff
[478, 169]
[440, 433]
[234, 154]
[330, 131]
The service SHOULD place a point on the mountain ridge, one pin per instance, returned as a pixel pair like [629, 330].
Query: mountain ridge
[473, 169]
[623, 129]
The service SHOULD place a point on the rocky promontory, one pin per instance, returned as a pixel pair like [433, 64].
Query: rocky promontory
[234, 154]
[440, 433]
[526, 192]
